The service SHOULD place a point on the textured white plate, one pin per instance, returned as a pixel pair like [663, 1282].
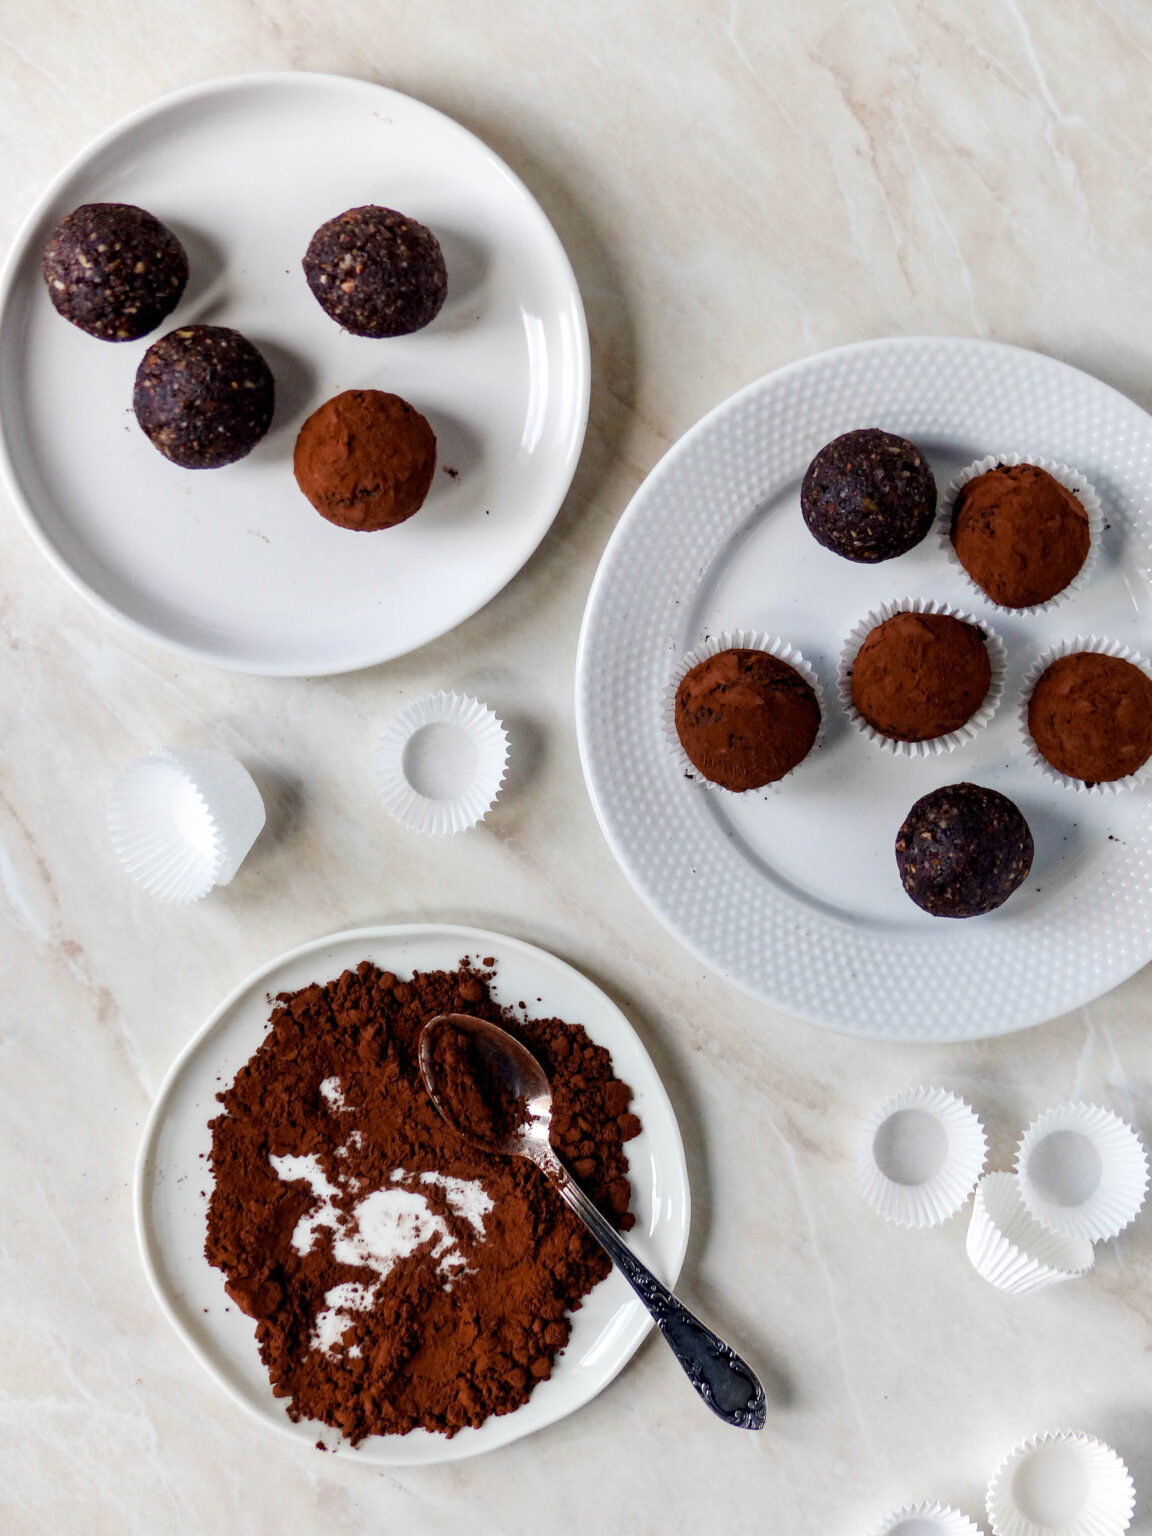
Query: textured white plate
[172, 1182]
[794, 895]
[232, 566]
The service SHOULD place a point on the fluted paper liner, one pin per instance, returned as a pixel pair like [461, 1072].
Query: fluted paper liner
[440, 764]
[182, 821]
[1099, 647]
[737, 640]
[1083, 1172]
[1061, 1484]
[1010, 1248]
[933, 746]
[1071, 479]
[921, 1518]
[920, 1155]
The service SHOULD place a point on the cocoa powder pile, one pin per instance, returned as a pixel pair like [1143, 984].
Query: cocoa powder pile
[397, 1277]
[471, 1090]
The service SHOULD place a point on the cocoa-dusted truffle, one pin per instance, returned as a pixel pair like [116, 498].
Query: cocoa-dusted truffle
[745, 718]
[868, 496]
[376, 272]
[114, 270]
[920, 675]
[365, 459]
[1020, 534]
[963, 850]
[1091, 717]
[204, 396]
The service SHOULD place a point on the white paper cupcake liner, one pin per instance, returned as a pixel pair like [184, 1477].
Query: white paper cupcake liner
[440, 764]
[1010, 1248]
[1061, 1484]
[933, 1519]
[1099, 647]
[1083, 1172]
[920, 1155]
[1070, 479]
[997, 657]
[183, 821]
[737, 640]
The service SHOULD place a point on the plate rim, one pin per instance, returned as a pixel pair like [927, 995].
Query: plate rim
[632, 512]
[675, 1168]
[295, 79]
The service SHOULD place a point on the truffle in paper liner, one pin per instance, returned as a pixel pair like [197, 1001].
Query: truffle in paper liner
[183, 821]
[919, 1157]
[933, 1519]
[1083, 1172]
[737, 640]
[997, 658]
[440, 764]
[1061, 1484]
[1100, 647]
[1011, 1249]
[1071, 479]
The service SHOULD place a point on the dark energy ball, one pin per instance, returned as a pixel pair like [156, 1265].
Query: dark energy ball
[868, 496]
[204, 396]
[963, 850]
[114, 270]
[376, 272]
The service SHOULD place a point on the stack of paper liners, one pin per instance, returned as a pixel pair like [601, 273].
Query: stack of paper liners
[183, 821]
[1080, 1177]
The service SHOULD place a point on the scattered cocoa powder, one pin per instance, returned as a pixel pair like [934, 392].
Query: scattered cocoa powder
[398, 1277]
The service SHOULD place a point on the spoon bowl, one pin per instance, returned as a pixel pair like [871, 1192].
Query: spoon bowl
[519, 1075]
[506, 1108]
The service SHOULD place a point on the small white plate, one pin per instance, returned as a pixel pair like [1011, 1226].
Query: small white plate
[232, 566]
[173, 1182]
[794, 894]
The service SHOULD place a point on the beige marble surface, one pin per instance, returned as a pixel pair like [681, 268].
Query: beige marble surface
[737, 184]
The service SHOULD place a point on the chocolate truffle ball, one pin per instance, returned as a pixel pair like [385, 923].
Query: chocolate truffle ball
[365, 459]
[376, 272]
[114, 270]
[204, 396]
[868, 496]
[963, 850]
[1091, 717]
[1019, 534]
[920, 675]
[745, 718]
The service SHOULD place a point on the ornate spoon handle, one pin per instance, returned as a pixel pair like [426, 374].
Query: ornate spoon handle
[726, 1383]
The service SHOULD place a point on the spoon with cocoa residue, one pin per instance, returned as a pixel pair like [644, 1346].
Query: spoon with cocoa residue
[494, 1092]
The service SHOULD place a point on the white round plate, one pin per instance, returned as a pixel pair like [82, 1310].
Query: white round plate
[172, 1182]
[232, 566]
[794, 894]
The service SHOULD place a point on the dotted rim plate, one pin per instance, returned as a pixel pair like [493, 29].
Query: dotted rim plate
[891, 974]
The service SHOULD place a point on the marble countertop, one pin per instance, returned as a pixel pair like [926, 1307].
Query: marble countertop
[737, 185]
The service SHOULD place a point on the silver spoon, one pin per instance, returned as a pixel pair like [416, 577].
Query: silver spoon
[725, 1382]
